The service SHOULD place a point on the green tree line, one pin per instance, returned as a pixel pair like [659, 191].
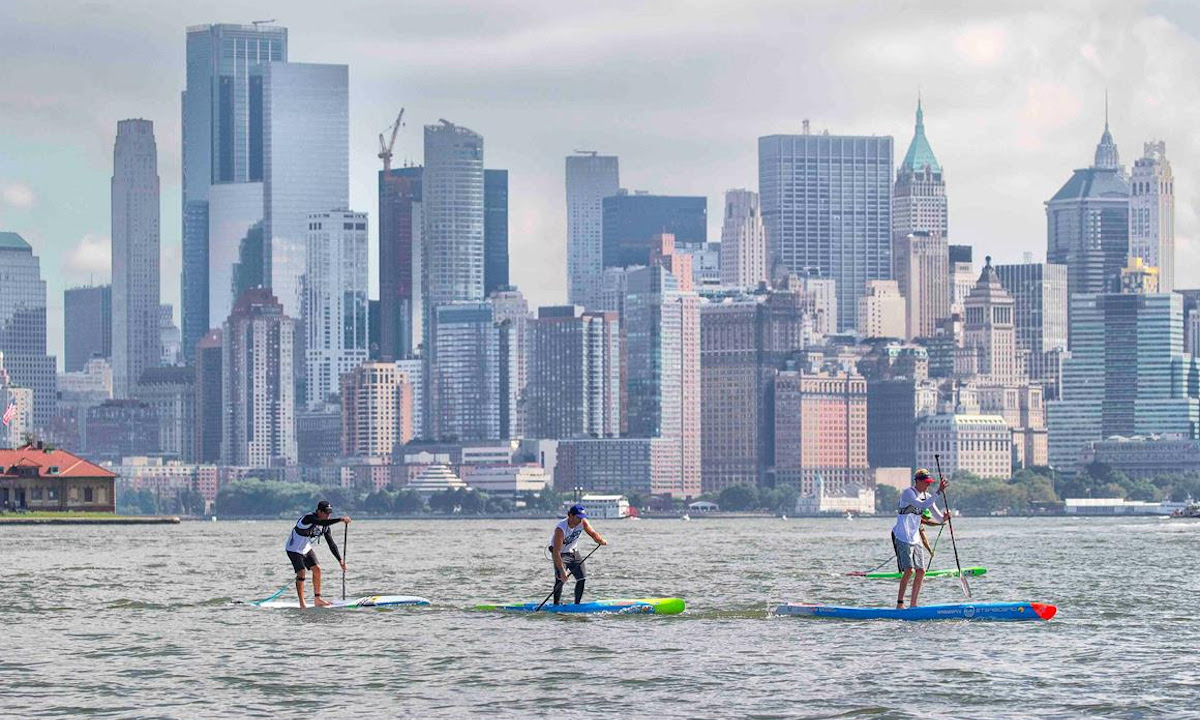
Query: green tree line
[254, 497]
[1038, 489]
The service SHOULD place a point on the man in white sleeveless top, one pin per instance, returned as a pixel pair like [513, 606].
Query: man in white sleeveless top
[563, 543]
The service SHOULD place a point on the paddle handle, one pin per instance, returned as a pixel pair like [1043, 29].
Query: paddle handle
[345, 554]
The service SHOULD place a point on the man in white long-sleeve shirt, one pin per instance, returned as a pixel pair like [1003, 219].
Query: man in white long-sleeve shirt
[906, 534]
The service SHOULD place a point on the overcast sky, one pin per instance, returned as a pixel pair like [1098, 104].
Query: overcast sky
[680, 91]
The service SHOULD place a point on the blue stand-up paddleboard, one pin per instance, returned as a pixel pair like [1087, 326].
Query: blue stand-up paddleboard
[370, 601]
[654, 606]
[1003, 611]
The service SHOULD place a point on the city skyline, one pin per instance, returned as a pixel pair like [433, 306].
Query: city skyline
[1006, 149]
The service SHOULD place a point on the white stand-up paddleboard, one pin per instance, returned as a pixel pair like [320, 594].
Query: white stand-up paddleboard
[375, 601]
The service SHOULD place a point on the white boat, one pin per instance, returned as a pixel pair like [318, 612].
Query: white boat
[685, 516]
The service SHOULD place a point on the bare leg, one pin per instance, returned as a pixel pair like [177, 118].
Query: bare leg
[317, 599]
[300, 575]
[903, 586]
[918, 578]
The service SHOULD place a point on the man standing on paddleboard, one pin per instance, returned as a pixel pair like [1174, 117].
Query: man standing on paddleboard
[300, 548]
[906, 534]
[563, 543]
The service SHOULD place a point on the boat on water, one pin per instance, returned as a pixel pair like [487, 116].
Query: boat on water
[647, 606]
[1189, 512]
[368, 601]
[948, 572]
[994, 612]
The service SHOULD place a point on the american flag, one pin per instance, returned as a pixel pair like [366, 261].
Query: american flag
[10, 413]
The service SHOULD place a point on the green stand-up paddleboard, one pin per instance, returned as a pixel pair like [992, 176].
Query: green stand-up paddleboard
[646, 606]
[949, 572]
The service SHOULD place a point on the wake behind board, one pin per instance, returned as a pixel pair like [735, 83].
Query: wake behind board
[370, 601]
[948, 572]
[1004, 612]
[652, 606]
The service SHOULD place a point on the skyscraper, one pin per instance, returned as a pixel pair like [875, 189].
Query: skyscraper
[590, 179]
[495, 230]
[222, 143]
[305, 164]
[470, 371]
[820, 430]
[171, 392]
[574, 387]
[632, 221]
[399, 261]
[921, 266]
[962, 276]
[23, 326]
[1088, 223]
[744, 340]
[1128, 374]
[882, 312]
[258, 388]
[235, 212]
[510, 312]
[87, 325]
[452, 191]
[919, 196]
[335, 307]
[137, 344]
[827, 206]
[1152, 213]
[1039, 291]
[743, 241]
[662, 333]
[209, 406]
[989, 330]
[376, 410]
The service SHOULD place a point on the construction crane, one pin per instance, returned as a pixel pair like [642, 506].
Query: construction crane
[592, 153]
[385, 147]
[256, 23]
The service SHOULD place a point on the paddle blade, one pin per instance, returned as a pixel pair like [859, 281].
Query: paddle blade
[966, 587]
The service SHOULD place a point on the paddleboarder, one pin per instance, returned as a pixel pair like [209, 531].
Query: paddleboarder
[300, 551]
[563, 543]
[906, 534]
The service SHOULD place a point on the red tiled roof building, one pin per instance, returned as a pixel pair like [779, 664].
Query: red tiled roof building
[35, 478]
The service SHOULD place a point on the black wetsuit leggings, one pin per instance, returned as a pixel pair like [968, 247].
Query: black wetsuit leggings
[574, 565]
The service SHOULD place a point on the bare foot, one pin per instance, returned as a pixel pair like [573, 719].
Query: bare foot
[321, 602]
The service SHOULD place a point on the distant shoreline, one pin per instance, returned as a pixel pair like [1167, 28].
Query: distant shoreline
[35, 519]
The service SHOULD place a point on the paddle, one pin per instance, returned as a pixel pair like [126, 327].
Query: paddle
[345, 554]
[547, 599]
[962, 580]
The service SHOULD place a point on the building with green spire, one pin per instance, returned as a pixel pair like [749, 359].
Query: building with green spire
[920, 250]
[919, 196]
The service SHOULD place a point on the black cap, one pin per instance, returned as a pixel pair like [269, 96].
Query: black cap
[324, 506]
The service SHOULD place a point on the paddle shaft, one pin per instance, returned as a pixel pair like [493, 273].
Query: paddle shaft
[547, 599]
[345, 554]
[950, 521]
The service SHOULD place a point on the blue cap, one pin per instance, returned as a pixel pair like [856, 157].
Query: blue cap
[577, 510]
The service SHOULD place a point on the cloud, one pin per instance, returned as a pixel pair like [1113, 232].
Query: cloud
[17, 195]
[89, 260]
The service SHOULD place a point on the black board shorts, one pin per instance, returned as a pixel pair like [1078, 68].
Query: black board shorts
[302, 562]
[574, 565]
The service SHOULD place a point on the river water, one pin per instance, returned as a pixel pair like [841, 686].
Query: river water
[137, 622]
